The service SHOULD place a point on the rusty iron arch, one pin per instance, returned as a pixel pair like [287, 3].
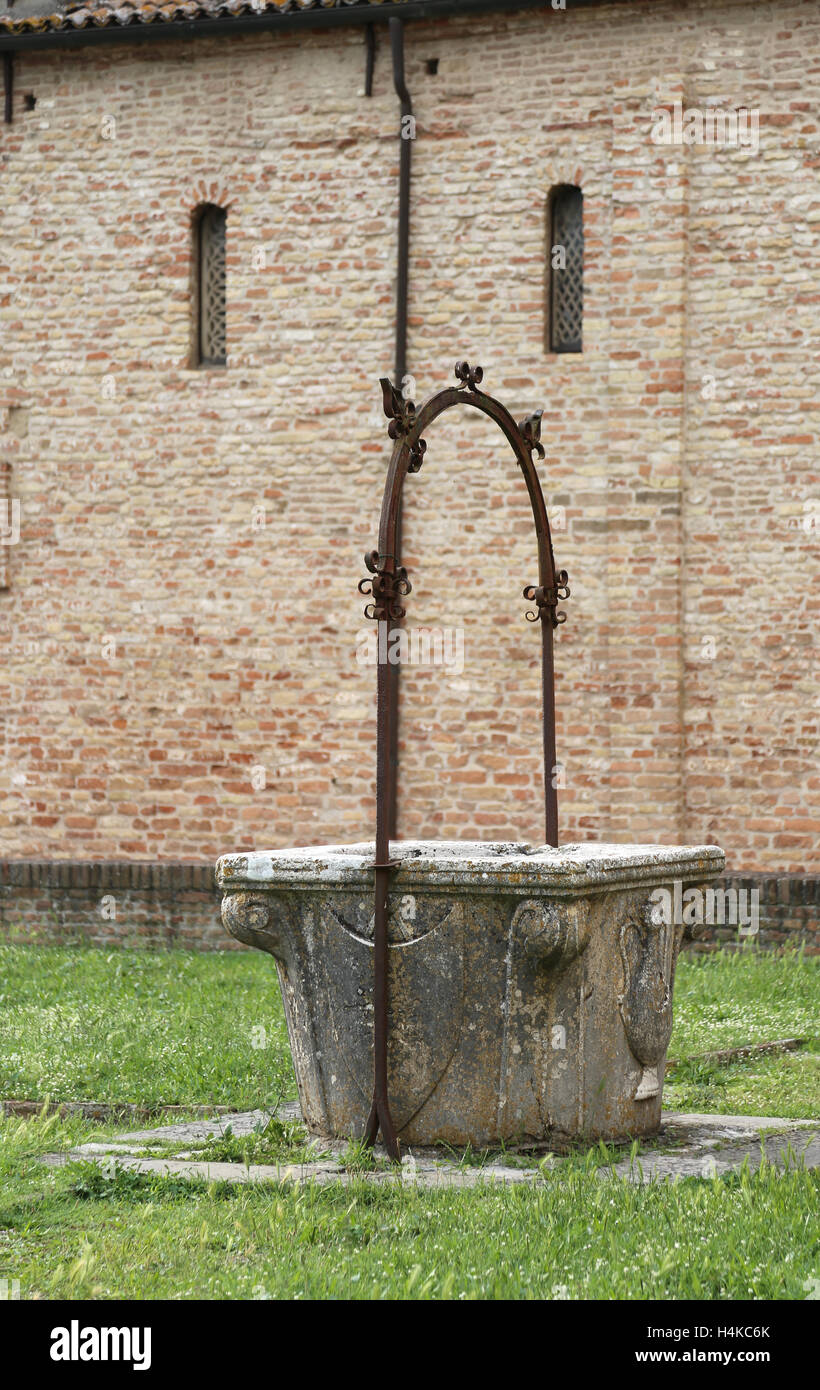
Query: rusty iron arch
[387, 583]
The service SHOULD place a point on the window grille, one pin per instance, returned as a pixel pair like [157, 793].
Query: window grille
[566, 282]
[211, 249]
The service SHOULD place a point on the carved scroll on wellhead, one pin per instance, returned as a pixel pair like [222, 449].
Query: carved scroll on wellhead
[387, 584]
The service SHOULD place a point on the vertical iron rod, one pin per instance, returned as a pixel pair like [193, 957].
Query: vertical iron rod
[380, 1117]
[8, 86]
[548, 697]
[402, 283]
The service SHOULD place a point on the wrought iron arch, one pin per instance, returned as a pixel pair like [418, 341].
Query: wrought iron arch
[387, 584]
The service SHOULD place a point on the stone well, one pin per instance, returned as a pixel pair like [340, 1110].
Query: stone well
[530, 989]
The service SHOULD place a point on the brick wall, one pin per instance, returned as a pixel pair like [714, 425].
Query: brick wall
[789, 907]
[155, 905]
[111, 904]
[180, 680]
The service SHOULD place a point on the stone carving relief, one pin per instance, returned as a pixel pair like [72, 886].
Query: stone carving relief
[648, 947]
[552, 933]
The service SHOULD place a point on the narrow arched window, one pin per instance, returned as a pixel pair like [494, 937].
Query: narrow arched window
[565, 282]
[209, 249]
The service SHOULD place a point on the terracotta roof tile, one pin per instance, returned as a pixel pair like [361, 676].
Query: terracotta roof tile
[79, 14]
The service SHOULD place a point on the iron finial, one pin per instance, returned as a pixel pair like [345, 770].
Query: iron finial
[530, 427]
[400, 413]
[469, 376]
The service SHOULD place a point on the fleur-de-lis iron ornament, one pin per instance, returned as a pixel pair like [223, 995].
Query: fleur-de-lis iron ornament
[402, 417]
[400, 413]
[387, 584]
[531, 430]
[469, 376]
[546, 600]
[387, 587]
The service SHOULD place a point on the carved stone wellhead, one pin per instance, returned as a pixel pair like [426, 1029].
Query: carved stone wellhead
[530, 988]
[457, 992]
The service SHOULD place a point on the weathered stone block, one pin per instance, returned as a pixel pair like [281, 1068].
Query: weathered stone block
[530, 989]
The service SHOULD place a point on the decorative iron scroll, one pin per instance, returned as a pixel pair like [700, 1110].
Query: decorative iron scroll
[386, 587]
[546, 600]
[471, 377]
[387, 584]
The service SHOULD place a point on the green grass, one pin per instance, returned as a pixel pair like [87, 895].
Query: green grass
[728, 999]
[181, 1028]
[277, 1141]
[787, 1085]
[73, 1233]
[149, 1028]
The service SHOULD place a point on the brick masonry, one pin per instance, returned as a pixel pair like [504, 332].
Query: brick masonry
[160, 904]
[181, 616]
[111, 904]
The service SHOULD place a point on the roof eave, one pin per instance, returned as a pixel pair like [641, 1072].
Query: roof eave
[274, 22]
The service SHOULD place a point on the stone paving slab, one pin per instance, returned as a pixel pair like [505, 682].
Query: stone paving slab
[690, 1145]
[698, 1146]
[423, 1174]
[240, 1123]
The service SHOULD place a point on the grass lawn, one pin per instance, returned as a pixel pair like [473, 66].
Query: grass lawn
[183, 1028]
[164, 1027]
